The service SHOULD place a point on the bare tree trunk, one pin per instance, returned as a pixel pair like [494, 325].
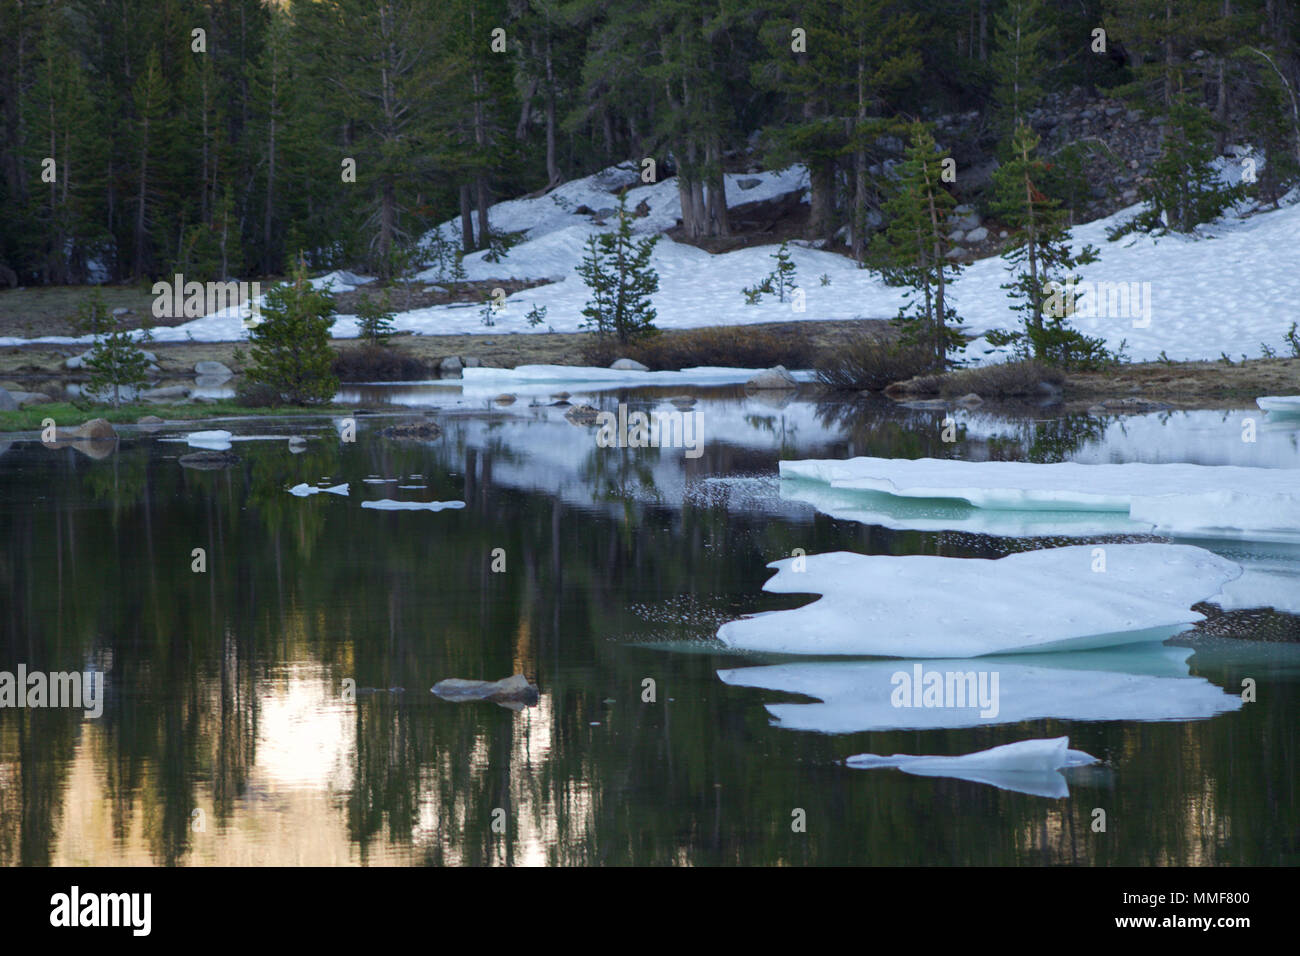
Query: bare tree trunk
[553, 176]
[466, 220]
[716, 208]
[481, 192]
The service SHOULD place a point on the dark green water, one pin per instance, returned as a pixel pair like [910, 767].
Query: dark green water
[227, 736]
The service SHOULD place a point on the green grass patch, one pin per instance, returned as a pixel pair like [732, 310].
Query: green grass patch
[65, 414]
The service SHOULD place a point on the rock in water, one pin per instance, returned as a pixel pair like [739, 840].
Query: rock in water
[208, 460]
[414, 431]
[97, 429]
[628, 365]
[776, 377]
[514, 692]
[582, 415]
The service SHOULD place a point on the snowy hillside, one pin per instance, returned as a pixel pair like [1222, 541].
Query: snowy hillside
[1227, 290]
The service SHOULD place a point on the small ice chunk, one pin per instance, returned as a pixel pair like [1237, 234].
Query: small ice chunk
[387, 504]
[217, 440]
[1028, 766]
[302, 491]
[1071, 598]
[1280, 404]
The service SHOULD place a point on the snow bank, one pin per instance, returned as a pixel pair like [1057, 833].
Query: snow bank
[1174, 499]
[1148, 682]
[1027, 766]
[924, 606]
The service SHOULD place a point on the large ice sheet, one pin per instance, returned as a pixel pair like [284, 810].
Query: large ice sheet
[1027, 766]
[925, 606]
[1141, 683]
[949, 514]
[1174, 499]
[1280, 404]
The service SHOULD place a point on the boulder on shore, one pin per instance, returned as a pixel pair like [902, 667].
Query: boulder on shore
[208, 369]
[414, 431]
[776, 377]
[627, 365]
[7, 402]
[514, 692]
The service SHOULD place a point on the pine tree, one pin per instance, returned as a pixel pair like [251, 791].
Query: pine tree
[912, 249]
[1184, 188]
[375, 320]
[617, 270]
[1040, 258]
[1018, 61]
[290, 346]
[115, 361]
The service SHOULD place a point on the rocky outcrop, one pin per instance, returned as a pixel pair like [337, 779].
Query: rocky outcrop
[212, 370]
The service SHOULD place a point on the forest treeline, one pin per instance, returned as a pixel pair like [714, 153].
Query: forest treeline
[218, 138]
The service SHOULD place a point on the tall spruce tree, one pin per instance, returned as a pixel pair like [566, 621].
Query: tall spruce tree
[617, 270]
[912, 249]
[1040, 258]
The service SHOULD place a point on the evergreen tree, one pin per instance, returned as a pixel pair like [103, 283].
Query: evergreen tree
[375, 320]
[1040, 258]
[1184, 188]
[1018, 61]
[617, 270]
[912, 249]
[115, 361]
[290, 346]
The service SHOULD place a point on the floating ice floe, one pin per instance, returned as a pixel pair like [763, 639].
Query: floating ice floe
[1173, 499]
[1138, 683]
[1071, 598]
[1027, 766]
[387, 504]
[1280, 404]
[302, 491]
[217, 440]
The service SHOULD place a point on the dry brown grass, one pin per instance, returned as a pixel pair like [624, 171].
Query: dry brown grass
[1005, 380]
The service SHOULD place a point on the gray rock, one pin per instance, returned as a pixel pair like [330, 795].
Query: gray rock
[776, 377]
[212, 370]
[514, 692]
[210, 381]
[118, 313]
[505, 398]
[150, 420]
[977, 235]
[748, 183]
[970, 400]
[451, 363]
[7, 402]
[956, 252]
[956, 235]
[627, 365]
[581, 415]
[31, 398]
[471, 361]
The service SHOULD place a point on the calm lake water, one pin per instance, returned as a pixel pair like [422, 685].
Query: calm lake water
[227, 736]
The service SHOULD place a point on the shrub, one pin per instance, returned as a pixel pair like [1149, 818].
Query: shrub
[872, 362]
[368, 363]
[256, 394]
[375, 320]
[1005, 380]
[727, 347]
